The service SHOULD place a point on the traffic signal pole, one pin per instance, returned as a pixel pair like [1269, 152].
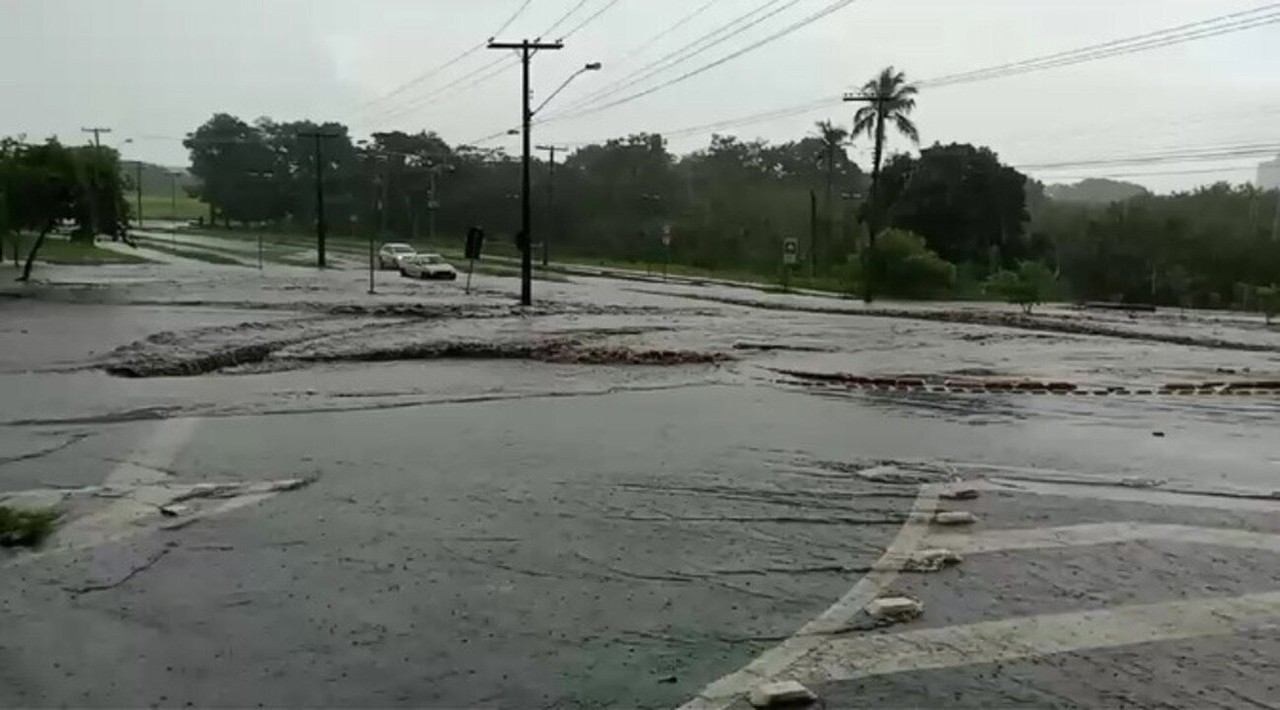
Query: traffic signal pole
[526, 49]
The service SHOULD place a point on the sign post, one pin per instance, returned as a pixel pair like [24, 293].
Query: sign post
[790, 259]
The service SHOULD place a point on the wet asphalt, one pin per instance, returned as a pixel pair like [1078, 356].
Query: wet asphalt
[499, 531]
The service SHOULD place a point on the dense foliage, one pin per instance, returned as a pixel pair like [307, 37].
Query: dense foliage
[730, 205]
[44, 185]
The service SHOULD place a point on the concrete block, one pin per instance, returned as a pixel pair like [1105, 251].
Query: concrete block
[955, 517]
[895, 608]
[785, 693]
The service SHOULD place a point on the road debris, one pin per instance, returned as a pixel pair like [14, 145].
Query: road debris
[963, 493]
[931, 560]
[173, 511]
[895, 609]
[785, 693]
[955, 517]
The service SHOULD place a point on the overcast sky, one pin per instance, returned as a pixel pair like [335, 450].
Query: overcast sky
[153, 70]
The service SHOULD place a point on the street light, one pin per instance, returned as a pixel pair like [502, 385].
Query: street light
[261, 174]
[593, 66]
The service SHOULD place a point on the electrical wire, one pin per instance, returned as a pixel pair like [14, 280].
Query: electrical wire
[1105, 47]
[489, 70]
[683, 54]
[563, 17]
[609, 5]
[457, 58]
[799, 24]
[1080, 55]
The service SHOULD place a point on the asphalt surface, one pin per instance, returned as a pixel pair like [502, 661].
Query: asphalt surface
[635, 494]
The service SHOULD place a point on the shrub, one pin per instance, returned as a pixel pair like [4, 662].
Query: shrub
[1027, 287]
[908, 268]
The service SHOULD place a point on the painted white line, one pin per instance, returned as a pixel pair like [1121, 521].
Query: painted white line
[733, 687]
[1100, 534]
[1149, 496]
[1034, 636]
[136, 479]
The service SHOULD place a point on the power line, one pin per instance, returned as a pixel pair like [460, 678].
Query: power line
[459, 57]
[674, 26]
[1123, 45]
[564, 17]
[829, 9]
[684, 53]
[491, 69]
[1078, 56]
[590, 19]
[1153, 173]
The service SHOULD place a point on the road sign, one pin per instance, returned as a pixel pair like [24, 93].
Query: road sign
[790, 251]
[666, 235]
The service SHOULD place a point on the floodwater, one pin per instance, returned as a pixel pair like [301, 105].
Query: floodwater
[612, 499]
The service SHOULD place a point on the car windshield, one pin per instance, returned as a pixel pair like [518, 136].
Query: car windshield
[924, 353]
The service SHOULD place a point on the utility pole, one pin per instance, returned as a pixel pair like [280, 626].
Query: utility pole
[551, 197]
[432, 204]
[173, 213]
[526, 49]
[321, 226]
[1275, 223]
[137, 165]
[97, 134]
[813, 233]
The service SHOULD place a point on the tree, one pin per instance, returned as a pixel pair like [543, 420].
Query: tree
[1029, 286]
[834, 139]
[48, 183]
[967, 205]
[889, 98]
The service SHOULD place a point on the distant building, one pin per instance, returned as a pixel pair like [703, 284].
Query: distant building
[1269, 175]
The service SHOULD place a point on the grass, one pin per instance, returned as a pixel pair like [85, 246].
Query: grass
[60, 250]
[26, 527]
[161, 206]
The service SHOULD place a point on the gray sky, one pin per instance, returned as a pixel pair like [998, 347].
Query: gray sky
[155, 69]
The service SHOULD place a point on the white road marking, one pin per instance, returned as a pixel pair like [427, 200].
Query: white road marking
[1149, 496]
[1100, 534]
[783, 660]
[138, 487]
[1035, 636]
[774, 662]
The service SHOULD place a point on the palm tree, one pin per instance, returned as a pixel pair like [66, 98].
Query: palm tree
[834, 139]
[889, 98]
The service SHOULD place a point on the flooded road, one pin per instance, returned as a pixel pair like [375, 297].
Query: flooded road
[632, 495]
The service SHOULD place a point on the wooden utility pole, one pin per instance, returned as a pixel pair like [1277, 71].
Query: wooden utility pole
[525, 242]
[321, 226]
[551, 197]
[97, 134]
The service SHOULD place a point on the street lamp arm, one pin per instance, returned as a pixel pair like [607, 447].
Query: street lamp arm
[594, 66]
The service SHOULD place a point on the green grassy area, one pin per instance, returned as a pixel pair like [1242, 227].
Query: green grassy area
[60, 250]
[26, 527]
[161, 207]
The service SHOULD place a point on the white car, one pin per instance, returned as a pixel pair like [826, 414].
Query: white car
[427, 266]
[390, 255]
